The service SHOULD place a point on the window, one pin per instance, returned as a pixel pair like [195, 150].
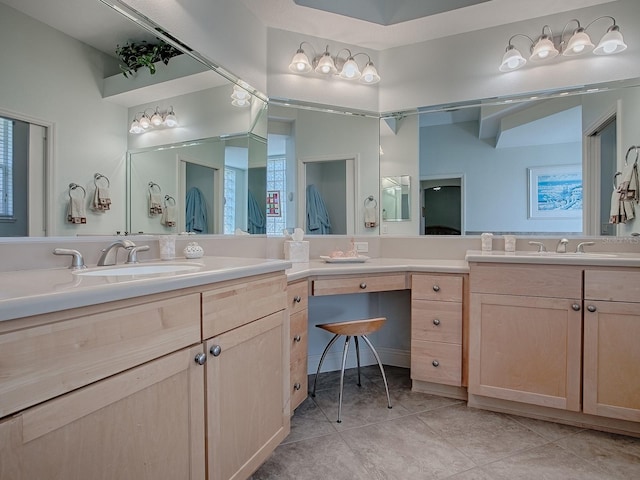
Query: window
[276, 182]
[230, 182]
[6, 168]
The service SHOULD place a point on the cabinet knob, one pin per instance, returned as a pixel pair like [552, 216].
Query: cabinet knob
[591, 308]
[296, 338]
[297, 299]
[363, 285]
[216, 350]
[436, 288]
[576, 307]
[436, 322]
[297, 386]
[201, 359]
[435, 363]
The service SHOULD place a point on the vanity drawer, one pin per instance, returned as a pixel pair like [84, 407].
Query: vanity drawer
[445, 288]
[530, 280]
[298, 296]
[436, 362]
[436, 321]
[298, 332]
[44, 361]
[611, 285]
[359, 284]
[299, 384]
[240, 302]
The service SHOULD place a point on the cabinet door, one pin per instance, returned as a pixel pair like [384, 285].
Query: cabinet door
[247, 396]
[612, 360]
[526, 349]
[145, 423]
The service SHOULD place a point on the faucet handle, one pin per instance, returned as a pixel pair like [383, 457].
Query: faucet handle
[132, 257]
[540, 245]
[77, 262]
[581, 245]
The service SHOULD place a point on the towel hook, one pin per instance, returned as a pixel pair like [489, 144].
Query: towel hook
[168, 198]
[73, 186]
[153, 184]
[626, 157]
[99, 176]
[369, 199]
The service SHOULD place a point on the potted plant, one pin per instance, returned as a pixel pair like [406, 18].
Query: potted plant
[135, 55]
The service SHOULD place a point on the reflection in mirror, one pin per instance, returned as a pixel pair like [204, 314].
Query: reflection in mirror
[480, 156]
[83, 107]
[395, 194]
[329, 166]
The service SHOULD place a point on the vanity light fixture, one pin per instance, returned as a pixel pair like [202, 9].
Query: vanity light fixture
[344, 67]
[142, 122]
[544, 47]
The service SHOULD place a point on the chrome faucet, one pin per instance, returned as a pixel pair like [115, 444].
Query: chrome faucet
[562, 246]
[540, 245]
[77, 262]
[110, 254]
[581, 245]
[133, 253]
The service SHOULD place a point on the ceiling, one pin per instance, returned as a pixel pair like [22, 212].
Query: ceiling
[287, 15]
[95, 24]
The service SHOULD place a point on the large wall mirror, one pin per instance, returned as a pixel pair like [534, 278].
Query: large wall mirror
[72, 109]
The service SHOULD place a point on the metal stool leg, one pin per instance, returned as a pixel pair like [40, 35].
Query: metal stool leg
[384, 377]
[324, 354]
[355, 339]
[344, 361]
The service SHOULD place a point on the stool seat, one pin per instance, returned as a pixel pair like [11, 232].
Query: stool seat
[355, 329]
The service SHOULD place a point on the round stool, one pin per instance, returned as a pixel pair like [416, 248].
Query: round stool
[355, 329]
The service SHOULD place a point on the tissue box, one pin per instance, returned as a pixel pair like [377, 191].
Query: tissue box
[296, 252]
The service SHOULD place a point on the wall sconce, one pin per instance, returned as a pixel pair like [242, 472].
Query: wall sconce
[544, 48]
[325, 64]
[240, 97]
[157, 119]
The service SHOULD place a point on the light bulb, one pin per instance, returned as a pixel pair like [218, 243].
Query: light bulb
[300, 62]
[171, 120]
[156, 119]
[135, 127]
[370, 74]
[144, 121]
[350, 70]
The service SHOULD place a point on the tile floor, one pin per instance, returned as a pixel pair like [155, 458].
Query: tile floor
[429, 437]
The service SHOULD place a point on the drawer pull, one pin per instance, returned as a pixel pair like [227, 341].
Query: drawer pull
[435, 363]
[576, 307]
[436, 288]
[216, 350]
[436, 322]
[297, 299]
[363, 285]
[297, 386]
[296, 338]
[591, 308]
[201, 359]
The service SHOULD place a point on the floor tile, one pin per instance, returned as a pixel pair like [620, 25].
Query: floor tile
[309, 421]
[549, 430]
[405, 449]
[548, 462]
[473, 474]
[617, 455]
[319, 458]
[331, 380]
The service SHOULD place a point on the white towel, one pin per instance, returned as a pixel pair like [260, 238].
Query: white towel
[101, 200]
[155, 204]
[168, 218]
[75, 211]
[370, 216]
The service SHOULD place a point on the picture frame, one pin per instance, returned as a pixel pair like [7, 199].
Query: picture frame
[555, 191]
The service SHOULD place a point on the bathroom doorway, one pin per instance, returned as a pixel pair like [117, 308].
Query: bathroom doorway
[442, 210]
[194, 173]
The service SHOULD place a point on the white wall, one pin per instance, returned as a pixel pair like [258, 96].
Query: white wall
[496, 185]
[465, 67]
[400, 147]
[225, 31]
[89, 133]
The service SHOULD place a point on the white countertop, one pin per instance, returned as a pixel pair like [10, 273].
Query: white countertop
[601, 259]
[376, 265]
[32, 292]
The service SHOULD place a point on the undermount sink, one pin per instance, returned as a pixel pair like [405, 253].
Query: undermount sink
[141, 269]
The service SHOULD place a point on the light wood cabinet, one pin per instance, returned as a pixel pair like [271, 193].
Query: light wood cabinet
[247, 396]
[345, 284]
[436, 328]
[145, 423]
[525, 335]
[611, 352]
[298, 301]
